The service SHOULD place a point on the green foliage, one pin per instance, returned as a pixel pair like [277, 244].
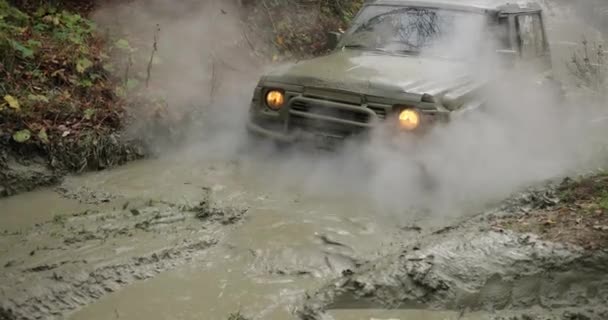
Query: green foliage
[603, 200]
[19, 32]
[11, 17]
[51, 76]
[24, 50]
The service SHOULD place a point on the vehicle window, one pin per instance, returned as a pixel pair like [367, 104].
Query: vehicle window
[415, 30]
[500, 32]
[530, 34]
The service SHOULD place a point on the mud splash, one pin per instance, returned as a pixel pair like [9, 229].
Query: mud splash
[63, 264]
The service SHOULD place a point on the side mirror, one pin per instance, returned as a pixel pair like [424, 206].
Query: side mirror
[333, 38]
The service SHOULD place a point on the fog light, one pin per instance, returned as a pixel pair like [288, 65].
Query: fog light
[275, 99]
[409, 119]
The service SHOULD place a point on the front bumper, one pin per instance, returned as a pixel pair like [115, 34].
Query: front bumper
[278, 136]
[318, 117]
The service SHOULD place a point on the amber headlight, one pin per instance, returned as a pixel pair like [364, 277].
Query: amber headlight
[409, 119]
[275, 99]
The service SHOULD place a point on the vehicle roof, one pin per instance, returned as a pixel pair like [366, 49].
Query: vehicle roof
[469, 5]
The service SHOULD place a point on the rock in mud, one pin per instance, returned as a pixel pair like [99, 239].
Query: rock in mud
[205, 210]
[468, 270]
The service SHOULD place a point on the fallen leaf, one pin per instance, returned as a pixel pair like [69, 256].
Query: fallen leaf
[123, 44]
[22, 136]
[65, 134]
[549, 222]
[38, 97]
[89, 113]
[12, 102]
[83, 64]
[43, 136]
[132, 84]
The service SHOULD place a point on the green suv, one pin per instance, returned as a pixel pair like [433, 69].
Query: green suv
[402, 64]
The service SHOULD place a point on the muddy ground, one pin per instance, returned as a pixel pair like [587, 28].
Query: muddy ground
[25, 168]
[477, 267]
[152, 240]
[62, 264]
[72, 249]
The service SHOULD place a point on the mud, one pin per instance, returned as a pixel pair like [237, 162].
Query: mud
[72, 260]
[20, 174]
[472, 268]
[151, 238]
[28, 167]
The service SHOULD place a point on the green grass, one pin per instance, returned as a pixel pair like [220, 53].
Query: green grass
[603, 201]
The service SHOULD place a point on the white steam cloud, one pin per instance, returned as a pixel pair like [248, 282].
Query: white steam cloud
[525, 135]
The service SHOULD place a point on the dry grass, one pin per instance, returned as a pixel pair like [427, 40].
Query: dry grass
[580, 217]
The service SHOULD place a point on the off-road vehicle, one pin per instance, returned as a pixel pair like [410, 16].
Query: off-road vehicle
[403, 63]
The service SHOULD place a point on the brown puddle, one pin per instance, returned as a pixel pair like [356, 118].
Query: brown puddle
[286, 243]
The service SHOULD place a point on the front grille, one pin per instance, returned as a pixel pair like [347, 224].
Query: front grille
[331, 112]
[331, 118]
[379, 111]
[323, 127]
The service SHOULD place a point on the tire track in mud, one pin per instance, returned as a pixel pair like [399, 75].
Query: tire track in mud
[58, 266]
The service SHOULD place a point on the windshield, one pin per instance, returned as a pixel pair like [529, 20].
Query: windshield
[416, 30]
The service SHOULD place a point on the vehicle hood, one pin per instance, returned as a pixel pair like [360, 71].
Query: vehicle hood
[381, 74]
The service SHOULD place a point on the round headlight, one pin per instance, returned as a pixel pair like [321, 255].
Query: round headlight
[275, 99]
[409, 119]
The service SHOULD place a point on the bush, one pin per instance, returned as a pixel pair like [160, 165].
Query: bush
[299, 27]
[589, 65]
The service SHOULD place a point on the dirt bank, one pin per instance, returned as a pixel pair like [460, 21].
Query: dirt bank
[27, 167]
[476, 267]
[574, 211]
[61, 109]
[72, 260]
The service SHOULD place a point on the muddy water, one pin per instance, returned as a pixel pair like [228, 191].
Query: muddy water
[289, 241]
[24, 210]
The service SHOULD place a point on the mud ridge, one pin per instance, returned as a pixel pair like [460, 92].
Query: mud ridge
[41, 279]
[473, 267]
